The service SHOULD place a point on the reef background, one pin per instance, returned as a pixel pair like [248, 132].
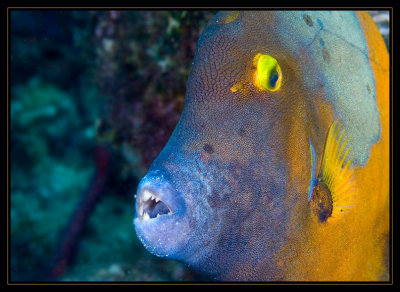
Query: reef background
[94, 97]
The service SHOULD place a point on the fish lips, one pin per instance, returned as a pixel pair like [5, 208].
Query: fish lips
[160, 216]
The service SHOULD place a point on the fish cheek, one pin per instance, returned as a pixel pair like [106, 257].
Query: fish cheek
[214, 200]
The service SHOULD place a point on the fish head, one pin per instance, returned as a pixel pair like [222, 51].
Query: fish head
[218, 192]
[231, 185]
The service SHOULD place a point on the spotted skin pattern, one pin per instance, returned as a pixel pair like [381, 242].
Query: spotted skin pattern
[235, 174]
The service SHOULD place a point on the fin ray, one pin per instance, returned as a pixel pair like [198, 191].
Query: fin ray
[335, 171]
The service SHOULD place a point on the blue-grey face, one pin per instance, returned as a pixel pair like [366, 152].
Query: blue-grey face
[217, 197]
[214, 197]
[208, 208]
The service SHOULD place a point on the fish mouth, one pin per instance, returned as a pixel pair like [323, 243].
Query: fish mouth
[160, 219]
[152, 205]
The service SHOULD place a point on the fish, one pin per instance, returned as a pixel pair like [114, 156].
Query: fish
[278, 169]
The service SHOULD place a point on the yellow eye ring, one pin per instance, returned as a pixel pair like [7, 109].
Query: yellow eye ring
[268, 74]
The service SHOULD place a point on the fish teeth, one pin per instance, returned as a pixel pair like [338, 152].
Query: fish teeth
[149, 196]
[146, 195]
[140, 211]
[147, 201]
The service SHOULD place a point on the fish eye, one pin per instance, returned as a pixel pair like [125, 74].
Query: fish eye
[268, 73]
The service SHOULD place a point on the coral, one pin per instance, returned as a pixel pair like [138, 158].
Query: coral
[47, 172]
[144, 60]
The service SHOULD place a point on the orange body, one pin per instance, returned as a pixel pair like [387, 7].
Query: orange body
[362, 235]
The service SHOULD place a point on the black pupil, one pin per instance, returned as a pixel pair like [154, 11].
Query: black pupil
[273, 78]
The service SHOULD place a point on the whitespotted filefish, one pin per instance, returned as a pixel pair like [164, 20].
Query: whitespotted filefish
[278, 169]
